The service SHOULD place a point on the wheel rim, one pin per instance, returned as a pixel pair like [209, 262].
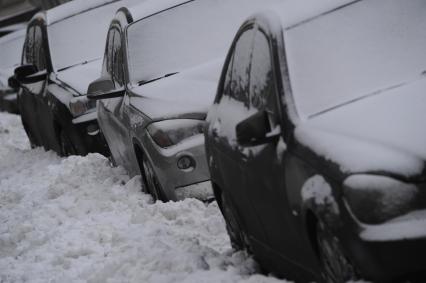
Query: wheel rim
[336, 267]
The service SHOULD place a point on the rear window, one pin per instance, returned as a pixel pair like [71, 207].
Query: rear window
[358, 50]
[185, 36]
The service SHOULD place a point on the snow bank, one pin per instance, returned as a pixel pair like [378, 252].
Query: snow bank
[79, 220]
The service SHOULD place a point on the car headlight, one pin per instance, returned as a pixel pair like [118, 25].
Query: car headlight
[81, 105]
[375, 199]
[171, 132]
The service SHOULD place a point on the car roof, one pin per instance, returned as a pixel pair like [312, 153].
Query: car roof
[72, 8]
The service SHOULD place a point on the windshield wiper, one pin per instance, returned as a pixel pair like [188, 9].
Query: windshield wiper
[156, 79]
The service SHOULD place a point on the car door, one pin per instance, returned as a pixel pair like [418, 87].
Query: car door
[231, 108]
[265, 163]
[115, 129]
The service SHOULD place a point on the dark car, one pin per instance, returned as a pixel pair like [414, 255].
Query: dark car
[160, 74]
[10, 58]
[61, 56]
[316, 140]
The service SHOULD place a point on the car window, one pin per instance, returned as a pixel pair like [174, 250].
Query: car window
[262, 83]
[234, 106]
[107, 68]
[29, 47]
[241, 68]
[117, 59]
[228, 77]
[39, 50]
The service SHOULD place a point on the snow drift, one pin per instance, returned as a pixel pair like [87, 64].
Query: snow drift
[79, 220]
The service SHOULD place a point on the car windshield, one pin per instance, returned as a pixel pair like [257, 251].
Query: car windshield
[185, 36]
[355, 51]
[80, 38]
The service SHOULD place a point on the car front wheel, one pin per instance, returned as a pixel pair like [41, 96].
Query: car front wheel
[150, 181]
[336, 268]
[233, 228]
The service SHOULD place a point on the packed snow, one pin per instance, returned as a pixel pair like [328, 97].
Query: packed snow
[77, 219]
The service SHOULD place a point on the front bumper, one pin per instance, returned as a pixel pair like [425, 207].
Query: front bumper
[392, 250]
[180, 183]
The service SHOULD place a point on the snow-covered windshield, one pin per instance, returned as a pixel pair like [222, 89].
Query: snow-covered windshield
[81, 37]
[355, 51]
[11, 50]
[185, 36]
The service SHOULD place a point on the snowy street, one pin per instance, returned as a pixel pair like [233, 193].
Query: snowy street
[79, 220]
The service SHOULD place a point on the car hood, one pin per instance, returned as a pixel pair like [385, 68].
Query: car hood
[80, 76]
[384, 132]
[187, 94]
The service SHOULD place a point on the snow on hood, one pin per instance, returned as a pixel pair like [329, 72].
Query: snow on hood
[79, 77]
[191, 91]
[384, 132]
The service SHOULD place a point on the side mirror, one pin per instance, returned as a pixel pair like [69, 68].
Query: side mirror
[29, 74]
[255, 130]
[103, 88]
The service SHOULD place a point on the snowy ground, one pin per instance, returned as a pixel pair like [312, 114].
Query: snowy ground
[79, 220]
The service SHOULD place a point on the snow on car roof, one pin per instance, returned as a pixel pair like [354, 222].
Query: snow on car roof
[73, 8]
[291, 12]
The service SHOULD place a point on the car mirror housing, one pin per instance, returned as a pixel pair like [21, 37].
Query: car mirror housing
[255, 130]
[28, 74]
[103, 88]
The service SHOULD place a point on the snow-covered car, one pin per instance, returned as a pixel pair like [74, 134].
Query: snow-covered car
[161, 68]
[61, 56]
[316, 141]
[10, 57]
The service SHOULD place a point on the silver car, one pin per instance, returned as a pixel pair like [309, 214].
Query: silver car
[161, 67]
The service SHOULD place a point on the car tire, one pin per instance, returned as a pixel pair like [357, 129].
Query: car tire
[336, 267]
[66, 146]
[233, 228]
[150, 182]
